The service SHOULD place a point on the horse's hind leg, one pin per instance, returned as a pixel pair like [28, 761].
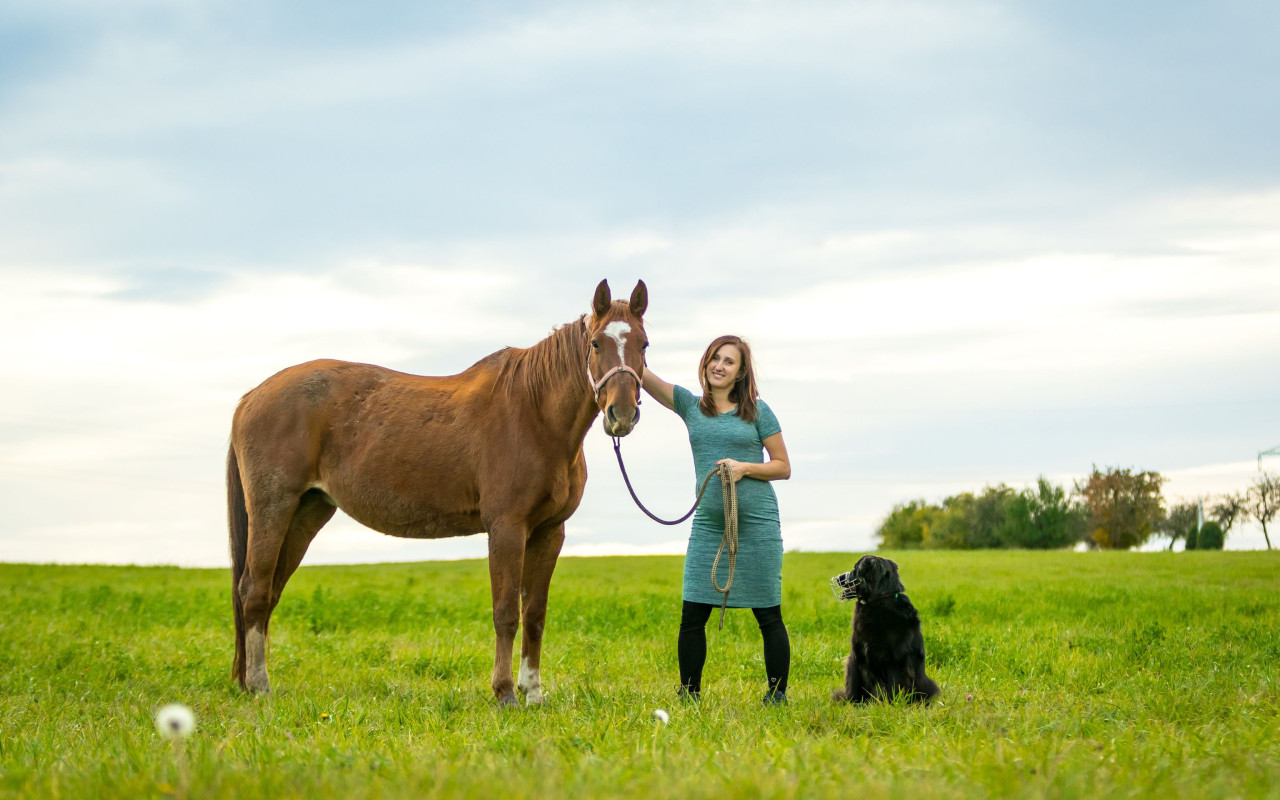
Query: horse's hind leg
[314, 510]
[539, 562]
[270, 517]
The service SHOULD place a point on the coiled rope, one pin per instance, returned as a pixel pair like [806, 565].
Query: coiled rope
[729, 541]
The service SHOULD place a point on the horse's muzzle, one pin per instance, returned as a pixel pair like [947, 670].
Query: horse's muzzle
[615, 426]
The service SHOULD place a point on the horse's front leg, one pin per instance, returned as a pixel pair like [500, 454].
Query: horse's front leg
[506, 565]
[539, 562]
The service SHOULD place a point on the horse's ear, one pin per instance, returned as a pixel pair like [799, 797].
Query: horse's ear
[600, 305]
[639, 299]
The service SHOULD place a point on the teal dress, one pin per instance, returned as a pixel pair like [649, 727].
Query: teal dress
[757, 579]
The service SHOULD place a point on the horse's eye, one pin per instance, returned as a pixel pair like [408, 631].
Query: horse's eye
[595, 345]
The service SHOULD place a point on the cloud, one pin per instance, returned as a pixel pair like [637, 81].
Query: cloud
[126, 390]
[970, 242]
[199, 137]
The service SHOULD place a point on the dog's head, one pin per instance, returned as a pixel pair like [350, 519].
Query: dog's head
[871, 577]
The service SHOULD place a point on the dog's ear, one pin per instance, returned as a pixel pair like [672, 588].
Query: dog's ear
[892, 582]
[887, 577]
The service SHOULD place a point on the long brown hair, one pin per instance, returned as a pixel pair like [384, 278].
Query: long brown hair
[744, 391]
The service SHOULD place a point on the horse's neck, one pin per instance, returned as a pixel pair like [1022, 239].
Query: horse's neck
[561, 395]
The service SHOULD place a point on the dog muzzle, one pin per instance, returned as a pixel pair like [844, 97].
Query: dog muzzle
[845, 586]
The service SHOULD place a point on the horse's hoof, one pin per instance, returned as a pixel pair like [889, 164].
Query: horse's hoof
[508, 700]
[260, 688]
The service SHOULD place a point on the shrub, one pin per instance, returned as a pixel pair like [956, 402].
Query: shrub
[1210, 537]
[1191, 538]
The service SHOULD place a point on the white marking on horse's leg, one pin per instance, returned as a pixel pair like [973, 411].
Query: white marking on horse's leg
[615, 331]
[530, 683]
[255, 651]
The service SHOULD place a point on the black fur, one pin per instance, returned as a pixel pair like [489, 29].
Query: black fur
[886, 655]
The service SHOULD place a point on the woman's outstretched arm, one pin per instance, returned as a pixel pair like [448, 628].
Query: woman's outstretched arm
[659, 389]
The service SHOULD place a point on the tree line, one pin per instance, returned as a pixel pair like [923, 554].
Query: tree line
[1112, 509]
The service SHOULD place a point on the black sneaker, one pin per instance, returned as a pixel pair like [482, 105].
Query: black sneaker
[684, 695]
[775, 698]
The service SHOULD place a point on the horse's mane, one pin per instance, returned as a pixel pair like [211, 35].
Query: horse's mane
[533, 371]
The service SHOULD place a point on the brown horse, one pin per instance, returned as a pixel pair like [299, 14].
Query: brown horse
[496, 448]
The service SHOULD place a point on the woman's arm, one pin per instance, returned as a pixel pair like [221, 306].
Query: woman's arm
[777, 468]
[659, 389]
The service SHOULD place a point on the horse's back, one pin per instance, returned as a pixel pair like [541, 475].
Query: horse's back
[398, 452]
[328, 386]
[315, 382]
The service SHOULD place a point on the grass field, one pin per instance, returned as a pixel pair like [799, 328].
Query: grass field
[1091, 675]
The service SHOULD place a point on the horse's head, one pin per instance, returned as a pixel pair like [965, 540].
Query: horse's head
[615, 360]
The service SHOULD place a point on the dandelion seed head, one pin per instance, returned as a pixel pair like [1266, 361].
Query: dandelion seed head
[661, 716]
[175, 721]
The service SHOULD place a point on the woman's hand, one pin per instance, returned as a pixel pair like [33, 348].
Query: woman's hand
[737, 469]
[777, 468]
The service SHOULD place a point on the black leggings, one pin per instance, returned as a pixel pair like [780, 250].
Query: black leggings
[691, 647]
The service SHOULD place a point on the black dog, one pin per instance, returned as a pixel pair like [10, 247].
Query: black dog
[886, 656]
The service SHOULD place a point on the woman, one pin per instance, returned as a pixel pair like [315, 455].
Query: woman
[730, 424]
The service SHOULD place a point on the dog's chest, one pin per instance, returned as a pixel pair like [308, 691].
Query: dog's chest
[878, 636]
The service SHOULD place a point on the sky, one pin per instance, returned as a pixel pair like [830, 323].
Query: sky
[971, 243]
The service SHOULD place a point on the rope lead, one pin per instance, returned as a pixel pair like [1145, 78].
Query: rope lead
[729, 491]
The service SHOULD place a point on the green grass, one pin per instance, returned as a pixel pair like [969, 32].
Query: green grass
[1092, 675]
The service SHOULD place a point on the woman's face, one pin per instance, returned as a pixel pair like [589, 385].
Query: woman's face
[724, 367]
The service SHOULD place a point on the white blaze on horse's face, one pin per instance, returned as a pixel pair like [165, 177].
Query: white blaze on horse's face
[618, 420]
[615, 331]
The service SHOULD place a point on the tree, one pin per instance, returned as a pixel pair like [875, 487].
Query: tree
[999, 518]
[906, 525]
[953, 525]
[1054, 519]
[1180, 519]
[1210, 536]
[1229, 509]
[1043, 518]
[1263, 501]
[1124, 506]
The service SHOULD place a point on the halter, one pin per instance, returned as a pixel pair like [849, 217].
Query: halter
[596, 386]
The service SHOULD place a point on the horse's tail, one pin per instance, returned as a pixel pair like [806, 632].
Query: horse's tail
[238, 525]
